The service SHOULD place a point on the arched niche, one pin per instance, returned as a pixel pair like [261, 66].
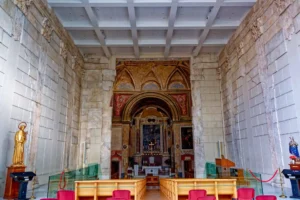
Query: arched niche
[151, 98]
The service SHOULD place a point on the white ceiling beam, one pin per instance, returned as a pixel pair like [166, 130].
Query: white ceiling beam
[62, 3]
[134, 34]
[98, 32]
[84, 27]
[211, 18]
[172, 19]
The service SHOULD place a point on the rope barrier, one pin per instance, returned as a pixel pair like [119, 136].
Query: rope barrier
[264, 181]
[60, 180]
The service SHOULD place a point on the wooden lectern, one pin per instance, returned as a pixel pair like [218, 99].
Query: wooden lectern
[11, 186]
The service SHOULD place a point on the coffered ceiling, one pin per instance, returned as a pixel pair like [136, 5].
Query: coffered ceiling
[136, 28]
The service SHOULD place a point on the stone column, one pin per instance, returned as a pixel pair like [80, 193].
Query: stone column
[199, 156]
[96, 112]
[108, 77]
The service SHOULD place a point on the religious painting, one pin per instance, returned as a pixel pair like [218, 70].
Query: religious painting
[186, 138]
[151, 137]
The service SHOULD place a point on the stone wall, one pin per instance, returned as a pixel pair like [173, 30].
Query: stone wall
[96, 113]
[206, 110]
[40, 74]
[260, 86]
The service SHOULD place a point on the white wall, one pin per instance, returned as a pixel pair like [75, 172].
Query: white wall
[260, 84]
[38, 87]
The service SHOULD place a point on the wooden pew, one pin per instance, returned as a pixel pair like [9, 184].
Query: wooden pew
[175, 189]
[101, 189]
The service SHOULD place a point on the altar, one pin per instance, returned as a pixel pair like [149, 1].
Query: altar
[151, 170]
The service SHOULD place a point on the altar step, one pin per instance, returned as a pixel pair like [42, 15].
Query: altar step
[152, 187]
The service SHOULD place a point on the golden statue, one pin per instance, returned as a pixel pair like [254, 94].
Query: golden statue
[20, 139]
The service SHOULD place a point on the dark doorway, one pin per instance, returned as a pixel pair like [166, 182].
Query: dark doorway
[115, 167]
[188, 169]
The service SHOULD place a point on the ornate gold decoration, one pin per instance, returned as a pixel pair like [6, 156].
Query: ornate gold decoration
[256, 29]
[47, 29]
[63, 50]
[20, 139]
[23, 5]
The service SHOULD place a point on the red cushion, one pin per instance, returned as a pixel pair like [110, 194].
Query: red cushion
[245, 193]
[66, 195]
[195, 194]
[266, 197]
[122, 194]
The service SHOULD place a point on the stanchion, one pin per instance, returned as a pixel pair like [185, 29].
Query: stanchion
[281, 184]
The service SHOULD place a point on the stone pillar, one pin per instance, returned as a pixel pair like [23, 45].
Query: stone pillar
[96, 113]
[125, 147]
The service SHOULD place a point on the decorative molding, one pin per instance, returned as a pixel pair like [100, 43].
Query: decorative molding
[240, 49]
[57, 27]
[63, 50]
[18, 24]
[47, 29]
[256, 29]
[23, 5]
[219, 73]
[282, 5]
[77, 65]
[82, 72]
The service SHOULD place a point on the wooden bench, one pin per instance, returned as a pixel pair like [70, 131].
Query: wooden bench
[101, 189]
[175, 189]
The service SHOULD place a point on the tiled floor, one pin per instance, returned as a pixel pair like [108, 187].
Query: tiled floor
[154, 195]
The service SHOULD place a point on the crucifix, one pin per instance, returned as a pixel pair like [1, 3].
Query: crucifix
[151, 145]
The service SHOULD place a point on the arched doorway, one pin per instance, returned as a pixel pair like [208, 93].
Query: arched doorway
[151, 105]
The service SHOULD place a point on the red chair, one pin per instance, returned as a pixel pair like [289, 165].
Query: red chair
[195, 194]
[125, 194]
[207, 198]
[266, 197]
[65, 195]
[245, 194]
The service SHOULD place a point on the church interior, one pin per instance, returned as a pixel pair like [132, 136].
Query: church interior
[149, 99]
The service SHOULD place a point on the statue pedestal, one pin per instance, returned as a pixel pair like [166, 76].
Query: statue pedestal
[12, 187]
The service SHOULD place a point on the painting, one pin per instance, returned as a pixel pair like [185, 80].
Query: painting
[186, 138]
[151, 137]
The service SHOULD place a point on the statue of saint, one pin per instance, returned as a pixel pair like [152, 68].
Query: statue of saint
[20, 139]
[293, 147]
